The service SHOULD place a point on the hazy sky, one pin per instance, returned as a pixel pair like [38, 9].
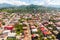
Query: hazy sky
[28, 2]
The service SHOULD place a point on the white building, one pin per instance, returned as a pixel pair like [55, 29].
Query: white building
[34, 30]
[6, 31]
[11, 34]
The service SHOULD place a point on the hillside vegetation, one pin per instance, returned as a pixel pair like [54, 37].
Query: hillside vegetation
[28, 9]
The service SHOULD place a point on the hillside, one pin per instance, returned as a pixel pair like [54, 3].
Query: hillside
[28, 9]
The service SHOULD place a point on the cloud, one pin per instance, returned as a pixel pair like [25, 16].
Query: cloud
[47, 2]
[54, 2]
[36, 2]
[14, 2]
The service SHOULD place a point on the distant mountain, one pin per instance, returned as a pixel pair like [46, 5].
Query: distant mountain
[6, 5]
[27, 8]
[55, 6]
[10, 5]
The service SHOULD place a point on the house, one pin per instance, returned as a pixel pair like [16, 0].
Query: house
[8, 27]
[57, 24]
[58, 28]
[50, 28]
[0, 24]
[1, 30]
[55, 32]
[34, 30]
[18, 37]
[45, 22]
[11, 34]
[6, 31]
[45, 38]
[57, 18]
[5, 20]
[24, 28]
[32, 27]
[3, 37]
[1, 16]
[35, 36]
[45, 30]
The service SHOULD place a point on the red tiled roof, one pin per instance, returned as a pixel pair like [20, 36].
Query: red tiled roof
[8, 27]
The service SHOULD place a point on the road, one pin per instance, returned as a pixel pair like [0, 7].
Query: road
[7, 23]
[11, 19]
[29, 33]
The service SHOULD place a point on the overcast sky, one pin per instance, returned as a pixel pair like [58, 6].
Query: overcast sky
[28, 2]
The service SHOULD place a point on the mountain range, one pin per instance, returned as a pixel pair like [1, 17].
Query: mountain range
[3, 5]
[6, 5]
